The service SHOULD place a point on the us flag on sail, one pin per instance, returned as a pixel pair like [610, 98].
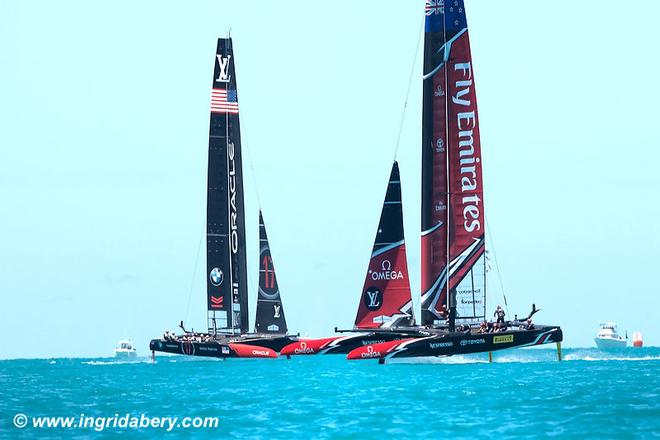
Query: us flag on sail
[224, 101]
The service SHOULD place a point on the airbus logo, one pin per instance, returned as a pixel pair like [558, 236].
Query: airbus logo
[216, 276]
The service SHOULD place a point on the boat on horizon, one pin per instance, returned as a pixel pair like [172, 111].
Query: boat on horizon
[228, 332]
[453, 240]
[125, 350]
[609, 338]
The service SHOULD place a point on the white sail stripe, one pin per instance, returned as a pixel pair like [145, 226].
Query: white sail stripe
[458, 261]
[438, 283]
[388, 321]
[447, 47]
[441, 280]
[428, 231]
[538, 338]
[387, 248]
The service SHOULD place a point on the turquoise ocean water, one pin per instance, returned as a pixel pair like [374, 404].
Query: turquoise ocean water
[524, 393]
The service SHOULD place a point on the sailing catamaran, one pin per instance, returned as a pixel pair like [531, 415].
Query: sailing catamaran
[227, 288]
[385, 311]
[453, 262]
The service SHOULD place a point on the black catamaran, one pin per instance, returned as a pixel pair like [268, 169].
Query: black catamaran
[453, 263]
[227, 288]
[385, 311]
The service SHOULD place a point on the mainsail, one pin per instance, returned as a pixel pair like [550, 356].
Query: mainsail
[225, 220]
[270, 313]
[386, 300]
[453, 247]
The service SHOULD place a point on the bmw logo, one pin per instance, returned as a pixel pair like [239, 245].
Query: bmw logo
[216, 276]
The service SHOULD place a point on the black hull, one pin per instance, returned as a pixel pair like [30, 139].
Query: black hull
[274, 342]
[348, 343]
[449, 344]
[222, 347]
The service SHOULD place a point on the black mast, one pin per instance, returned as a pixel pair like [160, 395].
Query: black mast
[225, 219]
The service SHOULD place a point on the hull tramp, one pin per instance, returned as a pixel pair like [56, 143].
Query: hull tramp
[449, 344]
[341, 344]
[249, 345]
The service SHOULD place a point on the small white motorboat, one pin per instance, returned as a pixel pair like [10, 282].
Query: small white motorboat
[608, 337]
[125, 350]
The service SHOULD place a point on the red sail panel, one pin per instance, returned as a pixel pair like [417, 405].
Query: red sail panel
[452, 186]
[386, 300]
[386, 292]
[467, 247]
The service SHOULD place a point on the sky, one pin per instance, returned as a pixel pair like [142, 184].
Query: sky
[104, 111]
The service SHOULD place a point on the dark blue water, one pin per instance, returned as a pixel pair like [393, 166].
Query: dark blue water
[525, 393]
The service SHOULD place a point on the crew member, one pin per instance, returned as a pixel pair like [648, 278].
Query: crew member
[499, 313]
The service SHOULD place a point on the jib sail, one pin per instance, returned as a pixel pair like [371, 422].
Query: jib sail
[270, 313]
[453, 247]
[386, 300]
[225, 220]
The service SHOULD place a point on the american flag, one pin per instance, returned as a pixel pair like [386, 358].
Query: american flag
[435, 7]
[224, 101]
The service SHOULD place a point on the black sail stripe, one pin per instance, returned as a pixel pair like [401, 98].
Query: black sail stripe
[270, 312]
